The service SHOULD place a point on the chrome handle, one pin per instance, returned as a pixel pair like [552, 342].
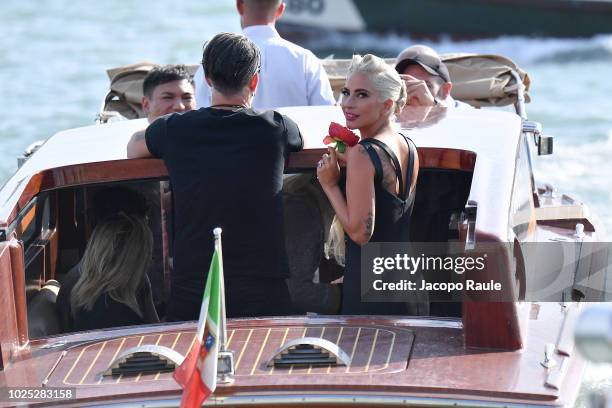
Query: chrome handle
[469, 216]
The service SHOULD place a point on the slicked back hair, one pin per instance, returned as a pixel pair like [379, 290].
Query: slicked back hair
[230, 61]
[162, 75]
[262, 9]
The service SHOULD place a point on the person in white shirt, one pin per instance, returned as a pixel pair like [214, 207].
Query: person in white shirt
[289, 74]
[428, 81]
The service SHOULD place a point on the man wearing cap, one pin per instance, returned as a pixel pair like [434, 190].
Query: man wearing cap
[427, 79]
[289, 74]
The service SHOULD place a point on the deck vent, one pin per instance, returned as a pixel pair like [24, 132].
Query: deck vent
[146, 359]
[309, 351]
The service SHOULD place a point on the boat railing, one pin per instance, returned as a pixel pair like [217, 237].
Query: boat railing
[519, 105]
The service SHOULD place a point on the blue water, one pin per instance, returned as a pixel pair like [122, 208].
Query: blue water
[54, 53]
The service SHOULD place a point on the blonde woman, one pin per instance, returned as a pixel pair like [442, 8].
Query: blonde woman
[112, 287]
[381, 174]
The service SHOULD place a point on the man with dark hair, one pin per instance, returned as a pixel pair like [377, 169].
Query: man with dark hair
[226, 166]
[290, 75]
[167, 89]
[427, 78]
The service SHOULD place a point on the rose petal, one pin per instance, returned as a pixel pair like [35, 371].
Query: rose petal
[343, 134]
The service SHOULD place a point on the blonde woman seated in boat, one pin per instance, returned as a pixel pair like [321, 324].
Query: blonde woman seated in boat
[112, 287]
[381, 175]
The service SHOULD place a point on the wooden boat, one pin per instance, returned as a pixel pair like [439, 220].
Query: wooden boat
[460, 20]
[494, 354]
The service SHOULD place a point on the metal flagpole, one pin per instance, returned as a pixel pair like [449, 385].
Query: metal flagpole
[223, 327]
[225, 361]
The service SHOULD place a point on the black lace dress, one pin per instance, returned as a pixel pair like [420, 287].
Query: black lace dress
[392, 224]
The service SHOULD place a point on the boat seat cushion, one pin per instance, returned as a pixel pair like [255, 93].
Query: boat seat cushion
[439, 194]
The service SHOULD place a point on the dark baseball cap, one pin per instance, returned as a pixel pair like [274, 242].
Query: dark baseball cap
[429, 61]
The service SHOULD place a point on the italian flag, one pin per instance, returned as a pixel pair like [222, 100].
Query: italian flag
[198, 372]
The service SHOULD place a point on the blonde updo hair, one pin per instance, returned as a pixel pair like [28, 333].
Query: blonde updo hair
[389, 85]
[384, 78]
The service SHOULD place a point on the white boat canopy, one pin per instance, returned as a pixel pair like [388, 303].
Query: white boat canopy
[479, 80]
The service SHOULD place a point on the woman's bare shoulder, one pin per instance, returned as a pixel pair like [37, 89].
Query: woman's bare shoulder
[358, 159]
[357, 152]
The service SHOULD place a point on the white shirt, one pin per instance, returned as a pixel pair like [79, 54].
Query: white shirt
[290, 75]
[451, 102]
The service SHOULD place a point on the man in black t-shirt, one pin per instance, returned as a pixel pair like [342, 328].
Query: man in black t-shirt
[226, 166]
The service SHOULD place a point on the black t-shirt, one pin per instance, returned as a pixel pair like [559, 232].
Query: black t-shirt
[226, 169]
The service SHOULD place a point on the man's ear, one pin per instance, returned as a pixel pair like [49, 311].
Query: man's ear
[240, 6]
[446, 89]
[253, 83]
[208, 81]
[279, 11]
[146, 105]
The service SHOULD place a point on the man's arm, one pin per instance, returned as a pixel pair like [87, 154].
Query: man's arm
[295, 141]
[137, 146]
[149, 142]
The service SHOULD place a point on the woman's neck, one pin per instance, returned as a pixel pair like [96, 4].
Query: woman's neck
[379, 127]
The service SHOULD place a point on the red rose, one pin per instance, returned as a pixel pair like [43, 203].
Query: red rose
[342, 136]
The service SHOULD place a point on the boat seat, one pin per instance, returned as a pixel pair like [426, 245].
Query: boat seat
[308, 216]
[43, 319]
[440, 193]
[441, 196]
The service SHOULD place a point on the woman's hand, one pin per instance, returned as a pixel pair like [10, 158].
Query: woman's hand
[328, 169]
[343, 157]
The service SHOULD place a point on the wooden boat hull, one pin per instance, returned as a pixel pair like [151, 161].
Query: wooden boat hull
[393, 360]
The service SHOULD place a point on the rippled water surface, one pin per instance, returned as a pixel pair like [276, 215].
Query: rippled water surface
[54, 53]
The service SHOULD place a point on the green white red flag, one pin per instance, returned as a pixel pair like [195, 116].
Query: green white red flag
[198, 372]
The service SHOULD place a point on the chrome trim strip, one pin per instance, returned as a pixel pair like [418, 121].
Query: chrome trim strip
[313, 400]
[445, 323]
[392, 321]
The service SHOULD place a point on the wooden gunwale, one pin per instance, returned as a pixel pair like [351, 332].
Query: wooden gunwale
[138, 169]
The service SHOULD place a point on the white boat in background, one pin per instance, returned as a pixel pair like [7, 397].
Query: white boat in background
[458, 19]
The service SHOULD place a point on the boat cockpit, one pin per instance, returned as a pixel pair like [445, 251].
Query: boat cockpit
[57, 224]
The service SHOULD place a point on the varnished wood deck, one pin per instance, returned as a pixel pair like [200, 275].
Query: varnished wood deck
[373, 350]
